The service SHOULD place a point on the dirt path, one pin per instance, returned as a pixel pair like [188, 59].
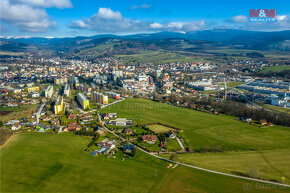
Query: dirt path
[9, 140]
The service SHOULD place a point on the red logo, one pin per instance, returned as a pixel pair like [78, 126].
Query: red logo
[263, 15]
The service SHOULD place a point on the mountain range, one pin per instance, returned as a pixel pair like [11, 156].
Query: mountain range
[131, 44]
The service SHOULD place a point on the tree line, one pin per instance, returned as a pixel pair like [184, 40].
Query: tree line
[237, 109]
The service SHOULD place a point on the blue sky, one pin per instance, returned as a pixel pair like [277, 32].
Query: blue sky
[63, 18]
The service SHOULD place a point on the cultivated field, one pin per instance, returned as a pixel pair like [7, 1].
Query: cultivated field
[35, 162]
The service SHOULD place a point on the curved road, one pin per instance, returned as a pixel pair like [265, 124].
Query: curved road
[195, 167]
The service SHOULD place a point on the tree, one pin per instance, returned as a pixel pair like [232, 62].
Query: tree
[1, 124]
[173, 157]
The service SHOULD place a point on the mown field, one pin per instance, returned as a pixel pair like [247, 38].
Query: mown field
[206, 132]
[35, 162]
[269, 164]
[159, 128]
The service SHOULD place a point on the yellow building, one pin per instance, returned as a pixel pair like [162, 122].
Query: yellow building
[58, 106]
[31, 89]
[51, 69]
[60, 80]
[84, 102]
[100, 98]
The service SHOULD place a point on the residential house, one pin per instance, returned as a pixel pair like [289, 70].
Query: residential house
[149, 138]
[72, 126]
[128, 131]
[128, 148]
[263, 122]
[170, 134]
[41, 127]
[72, 116]
[120, 122]
[16, 126]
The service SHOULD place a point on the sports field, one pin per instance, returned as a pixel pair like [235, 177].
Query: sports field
[242, 144]
[40, 162]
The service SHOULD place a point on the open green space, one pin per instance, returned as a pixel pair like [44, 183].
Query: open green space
[269, 164]
[274, 69]
[58, 163]
[24, 111]
[203, 130]
[39, 162]
[279, 109]
[8, 53]
[160, 57]
[172, 145]
[156, 128]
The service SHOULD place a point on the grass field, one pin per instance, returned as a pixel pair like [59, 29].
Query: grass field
[207, 131]
[24, 111]
[274, 69]
[58, 163]
[202, 129]
[11, 53]
[160, 57]
[234, 84]
[275, 108]
[159, 128]
[269, 164]
[35, 162]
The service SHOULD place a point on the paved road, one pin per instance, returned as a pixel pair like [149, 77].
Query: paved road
[194, 167]
[181, 145]
[255, 105]
[39, 111]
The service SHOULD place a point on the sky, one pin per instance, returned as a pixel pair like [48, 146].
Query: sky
[69, 18]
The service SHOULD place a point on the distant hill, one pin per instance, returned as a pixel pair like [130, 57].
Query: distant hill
[109, 44]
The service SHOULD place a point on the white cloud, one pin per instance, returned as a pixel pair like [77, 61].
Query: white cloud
[107, 13]
[30, 15]
[281, 17]
[46, 3]
[186, 26]
[27, 18]
[239, 19]
[156, 26]
[109, 21]
[143, 6]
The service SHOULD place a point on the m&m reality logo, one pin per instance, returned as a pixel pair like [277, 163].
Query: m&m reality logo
[263, 15]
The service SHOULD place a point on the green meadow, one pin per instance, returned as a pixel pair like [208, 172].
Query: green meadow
[40, 162]
[274, 69]
[204, 130]
[241, 145]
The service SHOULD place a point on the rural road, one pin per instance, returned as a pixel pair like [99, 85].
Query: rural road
[39, 111]
[195, 167]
